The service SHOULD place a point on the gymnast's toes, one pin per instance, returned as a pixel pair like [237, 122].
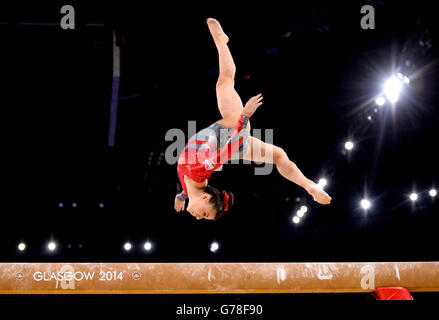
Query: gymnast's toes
[216, 30]
[319, 195]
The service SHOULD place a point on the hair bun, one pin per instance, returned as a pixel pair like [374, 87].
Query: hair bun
[221, 200]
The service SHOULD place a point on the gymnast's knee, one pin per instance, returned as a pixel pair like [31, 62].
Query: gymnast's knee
[225, 81]
[279, 155]
[227, 76]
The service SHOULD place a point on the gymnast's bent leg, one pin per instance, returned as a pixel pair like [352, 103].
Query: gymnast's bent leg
[260, 151]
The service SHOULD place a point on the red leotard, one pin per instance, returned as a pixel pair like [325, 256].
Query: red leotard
[200, 156]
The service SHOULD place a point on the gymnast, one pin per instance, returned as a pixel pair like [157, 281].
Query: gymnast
[226, 139]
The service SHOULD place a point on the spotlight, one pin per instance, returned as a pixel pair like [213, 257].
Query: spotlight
[322, 183]
[392, 89]
[101, 205]
[432, 192]
[214, 246]
[147, 246]
[365, 204]
[127, 246]
[380, 101]
[300, 213]
[404, 78]
[74, 204]
[296, 219]
[304, 209]
[21, 246]
[60, 204]
[51, 246]
[349, 145]
[413, 197]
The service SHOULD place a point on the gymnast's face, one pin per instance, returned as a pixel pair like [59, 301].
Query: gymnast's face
[201, 208]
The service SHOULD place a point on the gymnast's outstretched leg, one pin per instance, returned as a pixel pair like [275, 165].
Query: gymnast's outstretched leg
[229, 102]
[260, 151]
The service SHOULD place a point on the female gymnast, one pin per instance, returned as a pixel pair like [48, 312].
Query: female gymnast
[228, 138]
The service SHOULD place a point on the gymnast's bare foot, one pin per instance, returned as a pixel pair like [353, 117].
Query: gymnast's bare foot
[216, 30]
[318, 194]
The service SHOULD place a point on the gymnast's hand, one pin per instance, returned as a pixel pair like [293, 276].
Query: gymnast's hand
[252, 104]
[178, 205]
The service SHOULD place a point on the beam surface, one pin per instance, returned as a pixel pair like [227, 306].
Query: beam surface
[174, 278]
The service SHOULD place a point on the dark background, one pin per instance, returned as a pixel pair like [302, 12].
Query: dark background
[319, 72]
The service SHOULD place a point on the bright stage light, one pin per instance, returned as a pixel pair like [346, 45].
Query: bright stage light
[349, 145]
[304, 209]
[214, 246]
[392, 89]
[404, 78]
[21, 246]
[127, 246]
[300, 213]
[365, 204]
[322, 183]
[51, 246]
[147, 246]
[296, 219]
[380, 101]
[432, 192]
[413, 196]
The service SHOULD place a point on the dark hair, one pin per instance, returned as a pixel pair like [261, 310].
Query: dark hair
[217, 199]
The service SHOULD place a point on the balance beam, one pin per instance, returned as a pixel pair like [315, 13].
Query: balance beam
[177, 278]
